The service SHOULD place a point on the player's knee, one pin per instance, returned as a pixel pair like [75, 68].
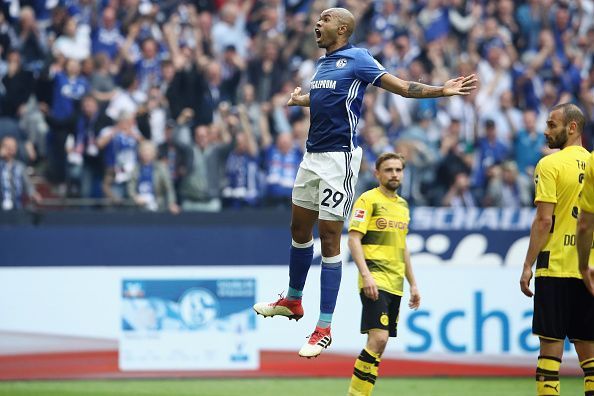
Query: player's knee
[330, 248]
[584, 349]
[330, 235]
[300, 233]
[383, 338]
[378, 342]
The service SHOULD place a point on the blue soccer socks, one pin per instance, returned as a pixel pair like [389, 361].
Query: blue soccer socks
[294, 294]
[330, 284]
[299, 263]
[331, 274]
[325, 320]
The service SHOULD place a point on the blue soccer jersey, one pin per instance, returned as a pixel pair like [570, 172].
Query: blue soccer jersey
[336, 95]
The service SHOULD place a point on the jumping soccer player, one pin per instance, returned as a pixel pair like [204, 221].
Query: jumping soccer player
[324, 185]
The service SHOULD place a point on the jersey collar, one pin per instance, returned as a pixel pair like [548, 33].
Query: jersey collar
[574, 147]
[395, 196]
[344, 47]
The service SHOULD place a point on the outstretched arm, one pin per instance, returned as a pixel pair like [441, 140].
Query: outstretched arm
[411, 89]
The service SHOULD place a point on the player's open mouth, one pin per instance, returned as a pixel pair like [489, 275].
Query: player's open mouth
[318, 33]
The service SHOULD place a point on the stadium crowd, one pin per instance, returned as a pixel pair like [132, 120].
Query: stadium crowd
[181, 105]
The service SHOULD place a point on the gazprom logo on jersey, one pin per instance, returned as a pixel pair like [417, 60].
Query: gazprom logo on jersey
[323, 84]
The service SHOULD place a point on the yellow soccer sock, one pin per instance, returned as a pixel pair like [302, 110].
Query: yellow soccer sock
[588, 367]
[375, 368]
[547, 376]
[364, 374]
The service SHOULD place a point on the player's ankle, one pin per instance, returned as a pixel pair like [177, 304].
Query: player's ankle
[324, 321]
[294, 294]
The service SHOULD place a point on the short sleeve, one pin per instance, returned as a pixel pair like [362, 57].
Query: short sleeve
[361, 215]
[586, 201]
[368, 70]
[545, 183]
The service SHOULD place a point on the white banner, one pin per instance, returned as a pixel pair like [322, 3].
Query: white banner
[189, 324]
[467, 312]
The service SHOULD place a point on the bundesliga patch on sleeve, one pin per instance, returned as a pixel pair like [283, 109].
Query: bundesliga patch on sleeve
[359, 215]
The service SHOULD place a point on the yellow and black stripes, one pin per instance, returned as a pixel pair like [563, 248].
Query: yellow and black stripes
[378, 265]
[383, 221]
[364, 366]
[547, 376]
[364, 374]
[382, 238]
[588, 367]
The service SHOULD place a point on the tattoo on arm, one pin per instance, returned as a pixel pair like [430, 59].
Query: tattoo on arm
[414, 89]
[418, 90]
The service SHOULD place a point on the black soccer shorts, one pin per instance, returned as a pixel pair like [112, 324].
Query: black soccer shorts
[563, 307]
[380, 314]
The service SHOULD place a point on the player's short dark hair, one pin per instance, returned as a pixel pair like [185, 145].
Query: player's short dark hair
[572, 113]
[388, 156]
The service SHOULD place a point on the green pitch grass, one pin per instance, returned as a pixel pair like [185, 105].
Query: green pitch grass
[284, 387]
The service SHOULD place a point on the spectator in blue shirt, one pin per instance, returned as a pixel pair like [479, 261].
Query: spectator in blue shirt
[528, 145]
[241, 170]
[107, 37]
[148, 67]
[68, 89]
[281, 163]
[434, 20]
[490, 150]
[120, 143]
[530, 21]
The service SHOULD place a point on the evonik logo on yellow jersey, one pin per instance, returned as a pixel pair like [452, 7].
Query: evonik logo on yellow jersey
[382, 223]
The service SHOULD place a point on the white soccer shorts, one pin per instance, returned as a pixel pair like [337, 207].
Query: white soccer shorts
[325, 182]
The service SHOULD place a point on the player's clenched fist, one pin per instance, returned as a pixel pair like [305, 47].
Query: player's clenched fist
[297, 99]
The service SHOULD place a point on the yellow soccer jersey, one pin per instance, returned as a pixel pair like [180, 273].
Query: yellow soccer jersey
[558, 179]
[586, 200]
[384, 223]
